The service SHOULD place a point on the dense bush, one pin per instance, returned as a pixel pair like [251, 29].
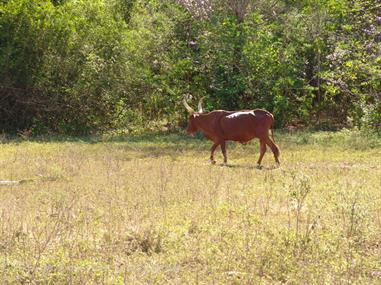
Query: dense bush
[61, 65]
[84, 66]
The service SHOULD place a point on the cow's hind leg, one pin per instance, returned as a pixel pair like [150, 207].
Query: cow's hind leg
[223, 149]
[274, 148]
[214, 146]
[262, 151]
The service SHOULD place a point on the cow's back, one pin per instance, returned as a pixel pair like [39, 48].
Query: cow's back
[245, 125]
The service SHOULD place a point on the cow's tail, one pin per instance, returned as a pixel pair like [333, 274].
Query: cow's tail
[272, 128]
[272, 133]
[274, 147]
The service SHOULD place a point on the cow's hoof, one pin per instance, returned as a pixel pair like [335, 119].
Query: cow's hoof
[213, 162]
[259, 166]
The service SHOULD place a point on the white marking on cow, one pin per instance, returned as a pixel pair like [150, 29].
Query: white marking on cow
[237, 114]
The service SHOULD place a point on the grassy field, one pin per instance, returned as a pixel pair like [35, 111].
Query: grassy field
[152, 210]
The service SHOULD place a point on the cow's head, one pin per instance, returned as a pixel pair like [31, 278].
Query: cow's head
[192, 119]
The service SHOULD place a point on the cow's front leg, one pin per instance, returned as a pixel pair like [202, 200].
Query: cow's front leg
[214, 146]
[223, 149]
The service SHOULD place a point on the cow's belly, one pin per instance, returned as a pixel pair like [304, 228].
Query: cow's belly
[242, 138]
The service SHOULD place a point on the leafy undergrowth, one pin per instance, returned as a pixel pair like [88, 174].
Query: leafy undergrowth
[151, 210]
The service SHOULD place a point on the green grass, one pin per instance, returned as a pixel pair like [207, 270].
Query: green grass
[151, 210]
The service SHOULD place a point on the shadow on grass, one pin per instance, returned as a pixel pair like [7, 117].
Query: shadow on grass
[153, 137]
[173, 139]
[250, 166]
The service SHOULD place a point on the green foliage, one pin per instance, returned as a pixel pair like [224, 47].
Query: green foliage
[61, 65]
[78, 67]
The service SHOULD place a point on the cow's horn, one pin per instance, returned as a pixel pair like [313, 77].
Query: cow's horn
[200, 110]
[189, 108]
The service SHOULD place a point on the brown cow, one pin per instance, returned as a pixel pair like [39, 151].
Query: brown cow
[242, 126]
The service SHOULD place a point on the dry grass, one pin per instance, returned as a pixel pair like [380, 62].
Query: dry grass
[151, 210]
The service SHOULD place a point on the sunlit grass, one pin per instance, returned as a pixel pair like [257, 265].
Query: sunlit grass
[144, 210]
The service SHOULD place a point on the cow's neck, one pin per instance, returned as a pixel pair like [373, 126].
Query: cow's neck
[205, 122]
